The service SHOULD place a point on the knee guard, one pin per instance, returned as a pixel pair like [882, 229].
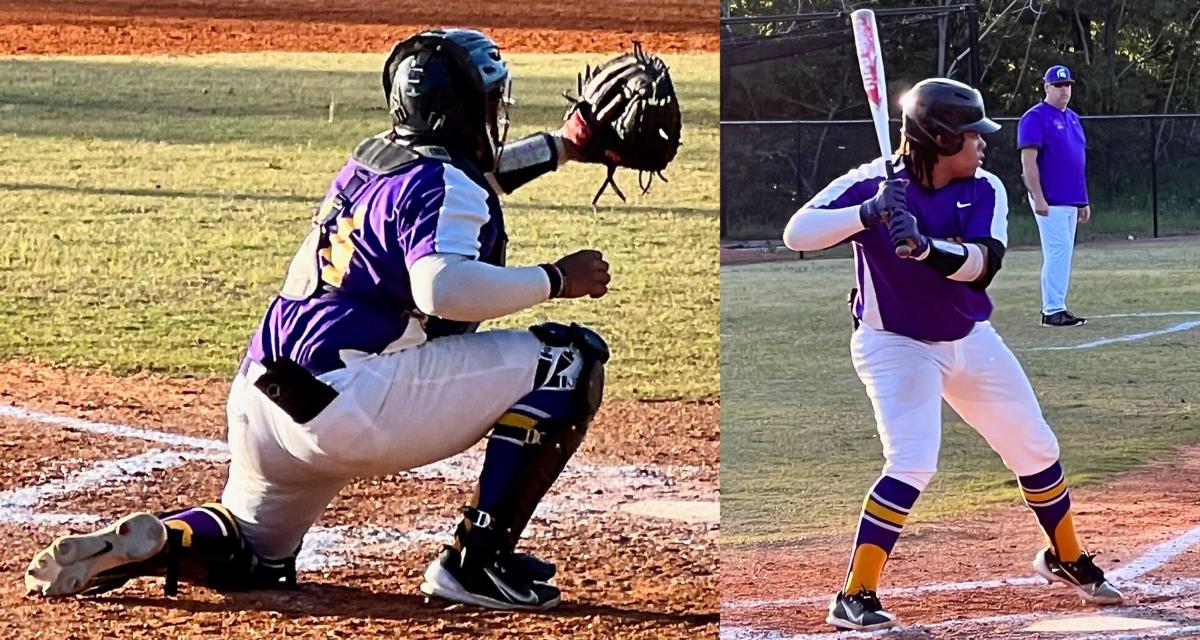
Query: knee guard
[548, 425]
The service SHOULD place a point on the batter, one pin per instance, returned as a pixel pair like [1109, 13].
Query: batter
[922, 335]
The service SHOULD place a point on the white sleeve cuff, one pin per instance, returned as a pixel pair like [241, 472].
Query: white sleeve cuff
[972, 269]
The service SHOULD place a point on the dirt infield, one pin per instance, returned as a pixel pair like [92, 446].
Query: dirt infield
[90, 447]
[77, 27]
[971, 577]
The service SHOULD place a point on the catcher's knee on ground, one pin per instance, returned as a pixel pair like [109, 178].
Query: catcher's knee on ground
[532, 442]
[205, 544]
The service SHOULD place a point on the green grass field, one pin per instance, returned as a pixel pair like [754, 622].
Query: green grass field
[151, 205]
[798, 441]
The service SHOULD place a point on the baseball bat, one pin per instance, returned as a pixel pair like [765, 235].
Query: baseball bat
[870, 67]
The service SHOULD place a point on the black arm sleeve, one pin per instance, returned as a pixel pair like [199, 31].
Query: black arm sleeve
[995, 258]
[531, 157]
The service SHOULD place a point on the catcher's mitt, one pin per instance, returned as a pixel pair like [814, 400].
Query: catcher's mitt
[626, 115]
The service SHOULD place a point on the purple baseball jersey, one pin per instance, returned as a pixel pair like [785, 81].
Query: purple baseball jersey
[902, 295]
[364, 301]
[1062, 152]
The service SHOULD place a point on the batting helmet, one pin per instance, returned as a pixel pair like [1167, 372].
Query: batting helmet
[449, 87]
[946, 108]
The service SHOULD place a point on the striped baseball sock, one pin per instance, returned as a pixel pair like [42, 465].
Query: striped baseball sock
[209, 521]
[884, 513]
[1046, 493]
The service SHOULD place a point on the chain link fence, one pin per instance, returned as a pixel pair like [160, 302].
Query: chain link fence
[1143, 173]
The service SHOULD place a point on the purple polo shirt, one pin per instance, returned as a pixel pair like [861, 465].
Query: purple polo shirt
[902, 295]
[364, 301]
[1062, 152]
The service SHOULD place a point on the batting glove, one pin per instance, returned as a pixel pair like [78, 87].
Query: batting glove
[904, 230]
[891, 196]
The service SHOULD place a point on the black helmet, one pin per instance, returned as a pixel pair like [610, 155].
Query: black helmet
[449, 87]
[940, 106]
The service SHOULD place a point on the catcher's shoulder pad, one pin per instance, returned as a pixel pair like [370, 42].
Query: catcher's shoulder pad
[383, 156]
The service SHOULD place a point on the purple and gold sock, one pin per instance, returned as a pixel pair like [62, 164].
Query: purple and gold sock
[209, 521]
[884, 513]
[1046, 493]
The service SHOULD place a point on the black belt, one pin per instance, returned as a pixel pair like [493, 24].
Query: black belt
[294, 389]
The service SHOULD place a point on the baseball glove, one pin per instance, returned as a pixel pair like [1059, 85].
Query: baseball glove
[626, 115]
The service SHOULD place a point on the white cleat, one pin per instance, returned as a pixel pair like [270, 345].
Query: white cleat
[1082, 575]
[70, 565]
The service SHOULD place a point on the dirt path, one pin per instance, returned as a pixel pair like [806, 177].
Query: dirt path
[1125, 520]
[76, 27]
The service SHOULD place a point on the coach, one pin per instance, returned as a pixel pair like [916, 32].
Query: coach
[1053, 161]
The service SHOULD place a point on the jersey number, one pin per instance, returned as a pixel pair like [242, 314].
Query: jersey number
[335, 258]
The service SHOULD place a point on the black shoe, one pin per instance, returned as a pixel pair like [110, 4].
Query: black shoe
[1062, 319]
[859, 612]
[533, 567]
[495, 583]
[1082, 574]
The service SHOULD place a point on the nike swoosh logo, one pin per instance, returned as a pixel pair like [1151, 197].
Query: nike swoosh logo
[108, 546]
[962, 205]
[524, 597]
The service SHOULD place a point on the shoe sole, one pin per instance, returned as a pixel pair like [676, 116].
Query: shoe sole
[1043, 570]
[850, 626]
[1060, 326]
[440, 584]
[69, 565]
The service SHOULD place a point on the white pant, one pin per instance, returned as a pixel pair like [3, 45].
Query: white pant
[1057, 230]
[394, 412]
[979, 378]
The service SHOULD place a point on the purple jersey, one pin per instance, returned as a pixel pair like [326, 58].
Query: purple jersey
[363, 303]
[1062, 153]
[902, 295]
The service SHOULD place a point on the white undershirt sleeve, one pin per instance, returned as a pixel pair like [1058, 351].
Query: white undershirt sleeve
[455, 287]
[811, 229]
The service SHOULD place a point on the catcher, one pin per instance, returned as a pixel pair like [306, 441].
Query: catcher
[367, 362]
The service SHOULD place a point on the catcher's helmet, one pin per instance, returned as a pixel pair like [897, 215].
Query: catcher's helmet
[942, 107]
[449, 87]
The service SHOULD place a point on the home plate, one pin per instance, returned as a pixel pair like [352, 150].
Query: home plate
[685, 510]
[1096, 623]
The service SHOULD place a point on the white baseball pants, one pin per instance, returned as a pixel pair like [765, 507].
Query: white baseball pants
[1057, 231]
[979, 378]
[394, 412]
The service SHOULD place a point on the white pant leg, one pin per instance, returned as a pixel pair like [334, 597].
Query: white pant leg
[989, 389]
[394, 412]
[903, 378]
[275, 498]
[1057, 232]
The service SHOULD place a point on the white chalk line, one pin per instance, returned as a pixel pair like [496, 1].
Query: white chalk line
[1152, 559]
[1125, 577]
[1132, 610]
[462, 468]
[743, 633]
[1146, 314]
[324, 547]
[1133, 337]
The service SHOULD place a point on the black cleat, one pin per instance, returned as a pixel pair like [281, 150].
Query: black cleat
[1082, 574]
[498, 583]
[861, 611]
[1062, 319]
